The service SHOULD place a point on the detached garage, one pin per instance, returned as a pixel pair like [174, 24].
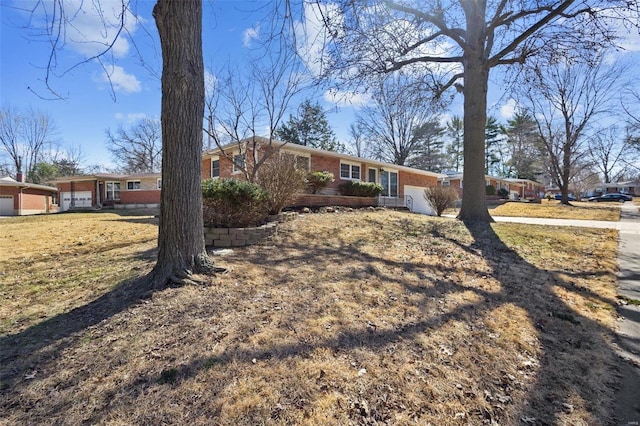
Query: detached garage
[21, 198]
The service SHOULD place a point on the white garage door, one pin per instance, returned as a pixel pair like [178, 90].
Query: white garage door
[81, 199]
[420, 204]
[6, 205]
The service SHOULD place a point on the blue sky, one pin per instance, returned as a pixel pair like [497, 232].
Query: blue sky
[91, 105]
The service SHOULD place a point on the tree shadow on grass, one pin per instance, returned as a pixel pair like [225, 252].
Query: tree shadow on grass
[47, 339]
[563, 378]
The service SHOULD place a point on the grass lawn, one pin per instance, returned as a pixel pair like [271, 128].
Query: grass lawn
[581, 210]
[367, 317]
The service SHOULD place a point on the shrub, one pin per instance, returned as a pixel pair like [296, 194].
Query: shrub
[440, 197]
[503, 193]
[491, 190]
[280, 177]
[360, 189]
[230, 203]
[316, 181]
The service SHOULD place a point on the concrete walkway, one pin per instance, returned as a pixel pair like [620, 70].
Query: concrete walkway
[628, 402]
[628, 335]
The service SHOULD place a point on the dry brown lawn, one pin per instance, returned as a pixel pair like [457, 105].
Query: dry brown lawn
[369, 317]
[580, 210]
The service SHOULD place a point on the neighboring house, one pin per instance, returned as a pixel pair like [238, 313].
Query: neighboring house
[19, 198]
[529, 190]
[518, 188]
[631, 187]
[109, 190]
[402, 186]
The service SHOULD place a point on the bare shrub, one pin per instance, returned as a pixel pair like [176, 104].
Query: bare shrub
[282, 179]
[440, 197]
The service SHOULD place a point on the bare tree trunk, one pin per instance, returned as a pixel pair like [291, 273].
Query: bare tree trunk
[476, 80]
[181, 248]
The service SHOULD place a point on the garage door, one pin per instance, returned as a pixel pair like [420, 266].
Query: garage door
[81, 199]
[6, 205]
[419, 203]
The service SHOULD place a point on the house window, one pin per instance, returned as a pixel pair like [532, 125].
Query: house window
[349, 171]
[303, 163]
[113, 190]
[215, 168]
[446, 183]
[133, 185]
[300, 162]
[238, 162]
[389, 181]
[159, 184]
[373, 175]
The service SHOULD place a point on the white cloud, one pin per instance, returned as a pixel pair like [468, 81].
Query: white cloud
[91, 27]
[131, 117]
[210, 82]
[312, 34]
[250, 34]
[508, 110]
[119, 80]
[346, 98]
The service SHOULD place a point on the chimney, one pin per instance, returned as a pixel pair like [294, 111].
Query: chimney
[19, 176]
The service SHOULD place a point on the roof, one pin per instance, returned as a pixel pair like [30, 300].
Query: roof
[107, 176]
[514, 181]
[309, 150]
[9, 182]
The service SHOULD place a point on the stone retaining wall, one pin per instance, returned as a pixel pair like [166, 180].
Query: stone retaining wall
[238, 237]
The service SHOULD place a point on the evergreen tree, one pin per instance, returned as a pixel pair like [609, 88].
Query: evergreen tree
[455, 152]
[430, 152]
[524, 147]
[492, 137]
[309, 128]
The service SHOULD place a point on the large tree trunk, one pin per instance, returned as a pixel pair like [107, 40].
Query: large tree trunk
[476, 80]
[181, 248]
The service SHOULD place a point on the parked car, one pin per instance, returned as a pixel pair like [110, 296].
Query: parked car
[570, 196]
[621, 198]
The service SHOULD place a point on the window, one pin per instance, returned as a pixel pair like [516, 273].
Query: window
[302, 163]
[133, 185]
[446, 183]
[349, 171]
[113, 191]
[345, 171]
[238, 162]
[215, 168]
[159, 184]
[389, 181]
[373, 175]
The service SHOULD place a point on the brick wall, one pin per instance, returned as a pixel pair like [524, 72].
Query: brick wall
[319, 200]
[226, 168]
[412, 179]
[140, 196]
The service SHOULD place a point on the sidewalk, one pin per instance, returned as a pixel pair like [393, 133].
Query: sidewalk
[628, 338]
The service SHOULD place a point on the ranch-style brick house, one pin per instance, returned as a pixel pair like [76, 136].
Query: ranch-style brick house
[402, 186]
[109, 190]
[518, 188]
[19, 198]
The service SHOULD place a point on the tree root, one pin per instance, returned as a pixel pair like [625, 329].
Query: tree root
[203, 268]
